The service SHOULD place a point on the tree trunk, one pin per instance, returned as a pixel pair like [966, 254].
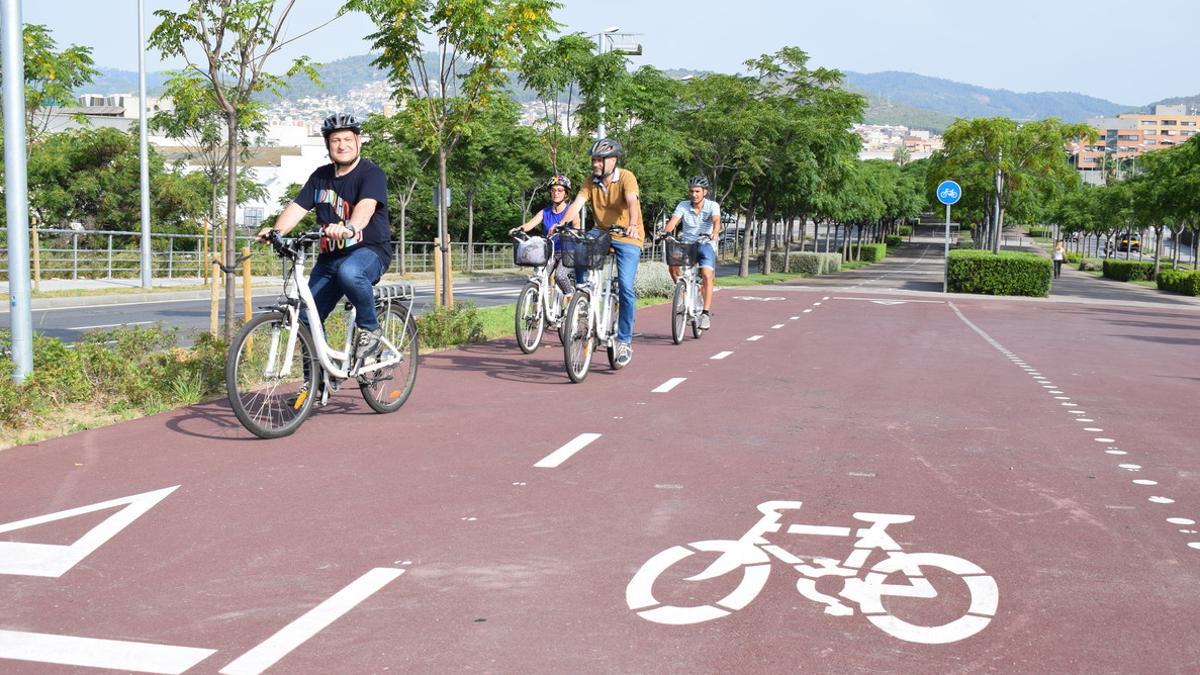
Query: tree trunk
[443, 231]
[770, 232]
[231, 122]
[744, 260]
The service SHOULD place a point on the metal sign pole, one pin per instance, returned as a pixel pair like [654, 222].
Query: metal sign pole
[143, 152]
[16, 192]
[946, 264]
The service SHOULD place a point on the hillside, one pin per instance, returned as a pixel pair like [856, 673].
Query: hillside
[965, 100]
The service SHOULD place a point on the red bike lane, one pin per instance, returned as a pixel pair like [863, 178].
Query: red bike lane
[499, 565]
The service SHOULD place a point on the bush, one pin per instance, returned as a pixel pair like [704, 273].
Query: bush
[988, 273]
[1044, 232]
[872, 252]
[904, 230]
[807, 262]
[1129, 270]
[136, 366]
[1091, 265]
[653, 280]
[1074, 258]
[446, 327]
[1179, 281]
[893, 240]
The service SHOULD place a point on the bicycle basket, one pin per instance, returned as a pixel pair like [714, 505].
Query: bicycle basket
[532, 252]
[588, 254]
[682, 255]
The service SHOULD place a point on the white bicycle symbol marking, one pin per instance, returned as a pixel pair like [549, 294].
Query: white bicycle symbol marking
[754, 297]
[751, 554]
[949, 193]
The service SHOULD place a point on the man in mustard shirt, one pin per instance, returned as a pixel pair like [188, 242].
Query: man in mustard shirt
[613, 194]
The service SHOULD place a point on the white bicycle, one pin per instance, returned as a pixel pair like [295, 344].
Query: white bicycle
[686, 305]
[540, 304]
[751, 557]
[592, 315]
[276, 362]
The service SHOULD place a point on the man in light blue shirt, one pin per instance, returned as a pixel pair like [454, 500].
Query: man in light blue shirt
[700, 217]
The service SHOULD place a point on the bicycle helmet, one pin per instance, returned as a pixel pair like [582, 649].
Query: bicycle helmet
[340, 122]
[698, 181]
[606, 147]
[559, 181]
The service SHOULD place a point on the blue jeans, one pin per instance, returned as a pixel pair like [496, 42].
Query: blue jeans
[628, 256]
[353, 275]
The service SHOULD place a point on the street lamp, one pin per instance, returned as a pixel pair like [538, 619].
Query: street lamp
[630, 49]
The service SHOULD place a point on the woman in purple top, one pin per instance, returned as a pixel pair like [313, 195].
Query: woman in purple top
[551, 218]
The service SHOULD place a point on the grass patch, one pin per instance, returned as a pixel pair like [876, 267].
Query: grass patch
[758, 279]
[854, 265]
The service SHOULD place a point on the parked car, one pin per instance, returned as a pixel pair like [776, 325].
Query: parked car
[1129, 242]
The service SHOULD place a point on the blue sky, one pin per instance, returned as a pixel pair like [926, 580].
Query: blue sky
[1125, 52]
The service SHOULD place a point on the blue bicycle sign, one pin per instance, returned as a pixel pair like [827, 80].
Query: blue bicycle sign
[948, 192]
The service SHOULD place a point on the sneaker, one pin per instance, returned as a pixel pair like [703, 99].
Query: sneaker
[705, 320]
[368, 344]
[624, 354]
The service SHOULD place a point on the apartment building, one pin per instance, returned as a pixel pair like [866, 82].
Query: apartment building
[1129, 135]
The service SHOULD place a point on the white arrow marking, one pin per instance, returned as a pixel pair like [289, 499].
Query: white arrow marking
[53, 560]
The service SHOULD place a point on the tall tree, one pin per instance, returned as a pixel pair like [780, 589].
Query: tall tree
[235, 38]
[479, 42]
[51, 78]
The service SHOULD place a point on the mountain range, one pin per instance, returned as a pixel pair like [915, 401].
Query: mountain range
[893, 97]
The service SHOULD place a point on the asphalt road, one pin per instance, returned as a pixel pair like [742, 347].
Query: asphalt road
[192, 316]
[891, 481]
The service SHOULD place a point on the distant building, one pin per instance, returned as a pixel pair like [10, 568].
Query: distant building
[1130, 135]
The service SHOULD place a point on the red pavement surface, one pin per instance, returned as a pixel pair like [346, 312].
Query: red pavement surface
[853, 407]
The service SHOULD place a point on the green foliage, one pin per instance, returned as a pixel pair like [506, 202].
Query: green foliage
[807, 262]
[1043, 232]
[872, 252]
[1091, 265]
[989, 273]
[141, 369]
[893, 240]
[1073, 258]
[51, 77]
[653, 280]
[1129, 270]
[904, 230]
[448, 326]
[1186, 282]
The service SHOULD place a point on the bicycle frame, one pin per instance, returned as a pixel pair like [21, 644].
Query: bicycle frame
[336, 364]
[600, 313]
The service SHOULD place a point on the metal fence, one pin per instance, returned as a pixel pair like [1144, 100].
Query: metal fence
[104, 254]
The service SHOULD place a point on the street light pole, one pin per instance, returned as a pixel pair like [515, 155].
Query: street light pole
[16, 192]
[600, 130]
[143, 149]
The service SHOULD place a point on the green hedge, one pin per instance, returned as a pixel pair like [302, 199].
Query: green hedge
[987, 273]
[894, 240]
[1074, 258]
[904, 230]
[872, 252]
[1091, 265]
[1179, 281]
[1041, 232]
[1129, 270]
[807, 262]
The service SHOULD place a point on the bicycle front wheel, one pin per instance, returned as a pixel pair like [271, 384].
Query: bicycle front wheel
[386, 389]
[271, 390]
[678, 311]
[530, 322]
[697, 301]
[580, 342]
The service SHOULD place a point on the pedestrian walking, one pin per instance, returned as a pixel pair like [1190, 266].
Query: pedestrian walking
[1059, 255]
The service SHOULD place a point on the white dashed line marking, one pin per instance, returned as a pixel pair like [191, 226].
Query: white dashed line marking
[1161, 500]
[1194, 544]
[1143, 481]
[1112, 451]
[1077, 412]
[668, 385]
[1093, 429]
[754, 338]
[1181, 521]
[778, 325]
[806, 311]
[1103, 440]
[1084, 419]
[564, 453]
[1130, 467]
[793, 318]
[719, 355]
[825, 298]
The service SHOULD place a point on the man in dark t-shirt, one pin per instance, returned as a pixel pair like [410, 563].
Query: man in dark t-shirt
[350, 198]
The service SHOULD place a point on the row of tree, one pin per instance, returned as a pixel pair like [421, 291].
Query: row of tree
[1162, 193]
